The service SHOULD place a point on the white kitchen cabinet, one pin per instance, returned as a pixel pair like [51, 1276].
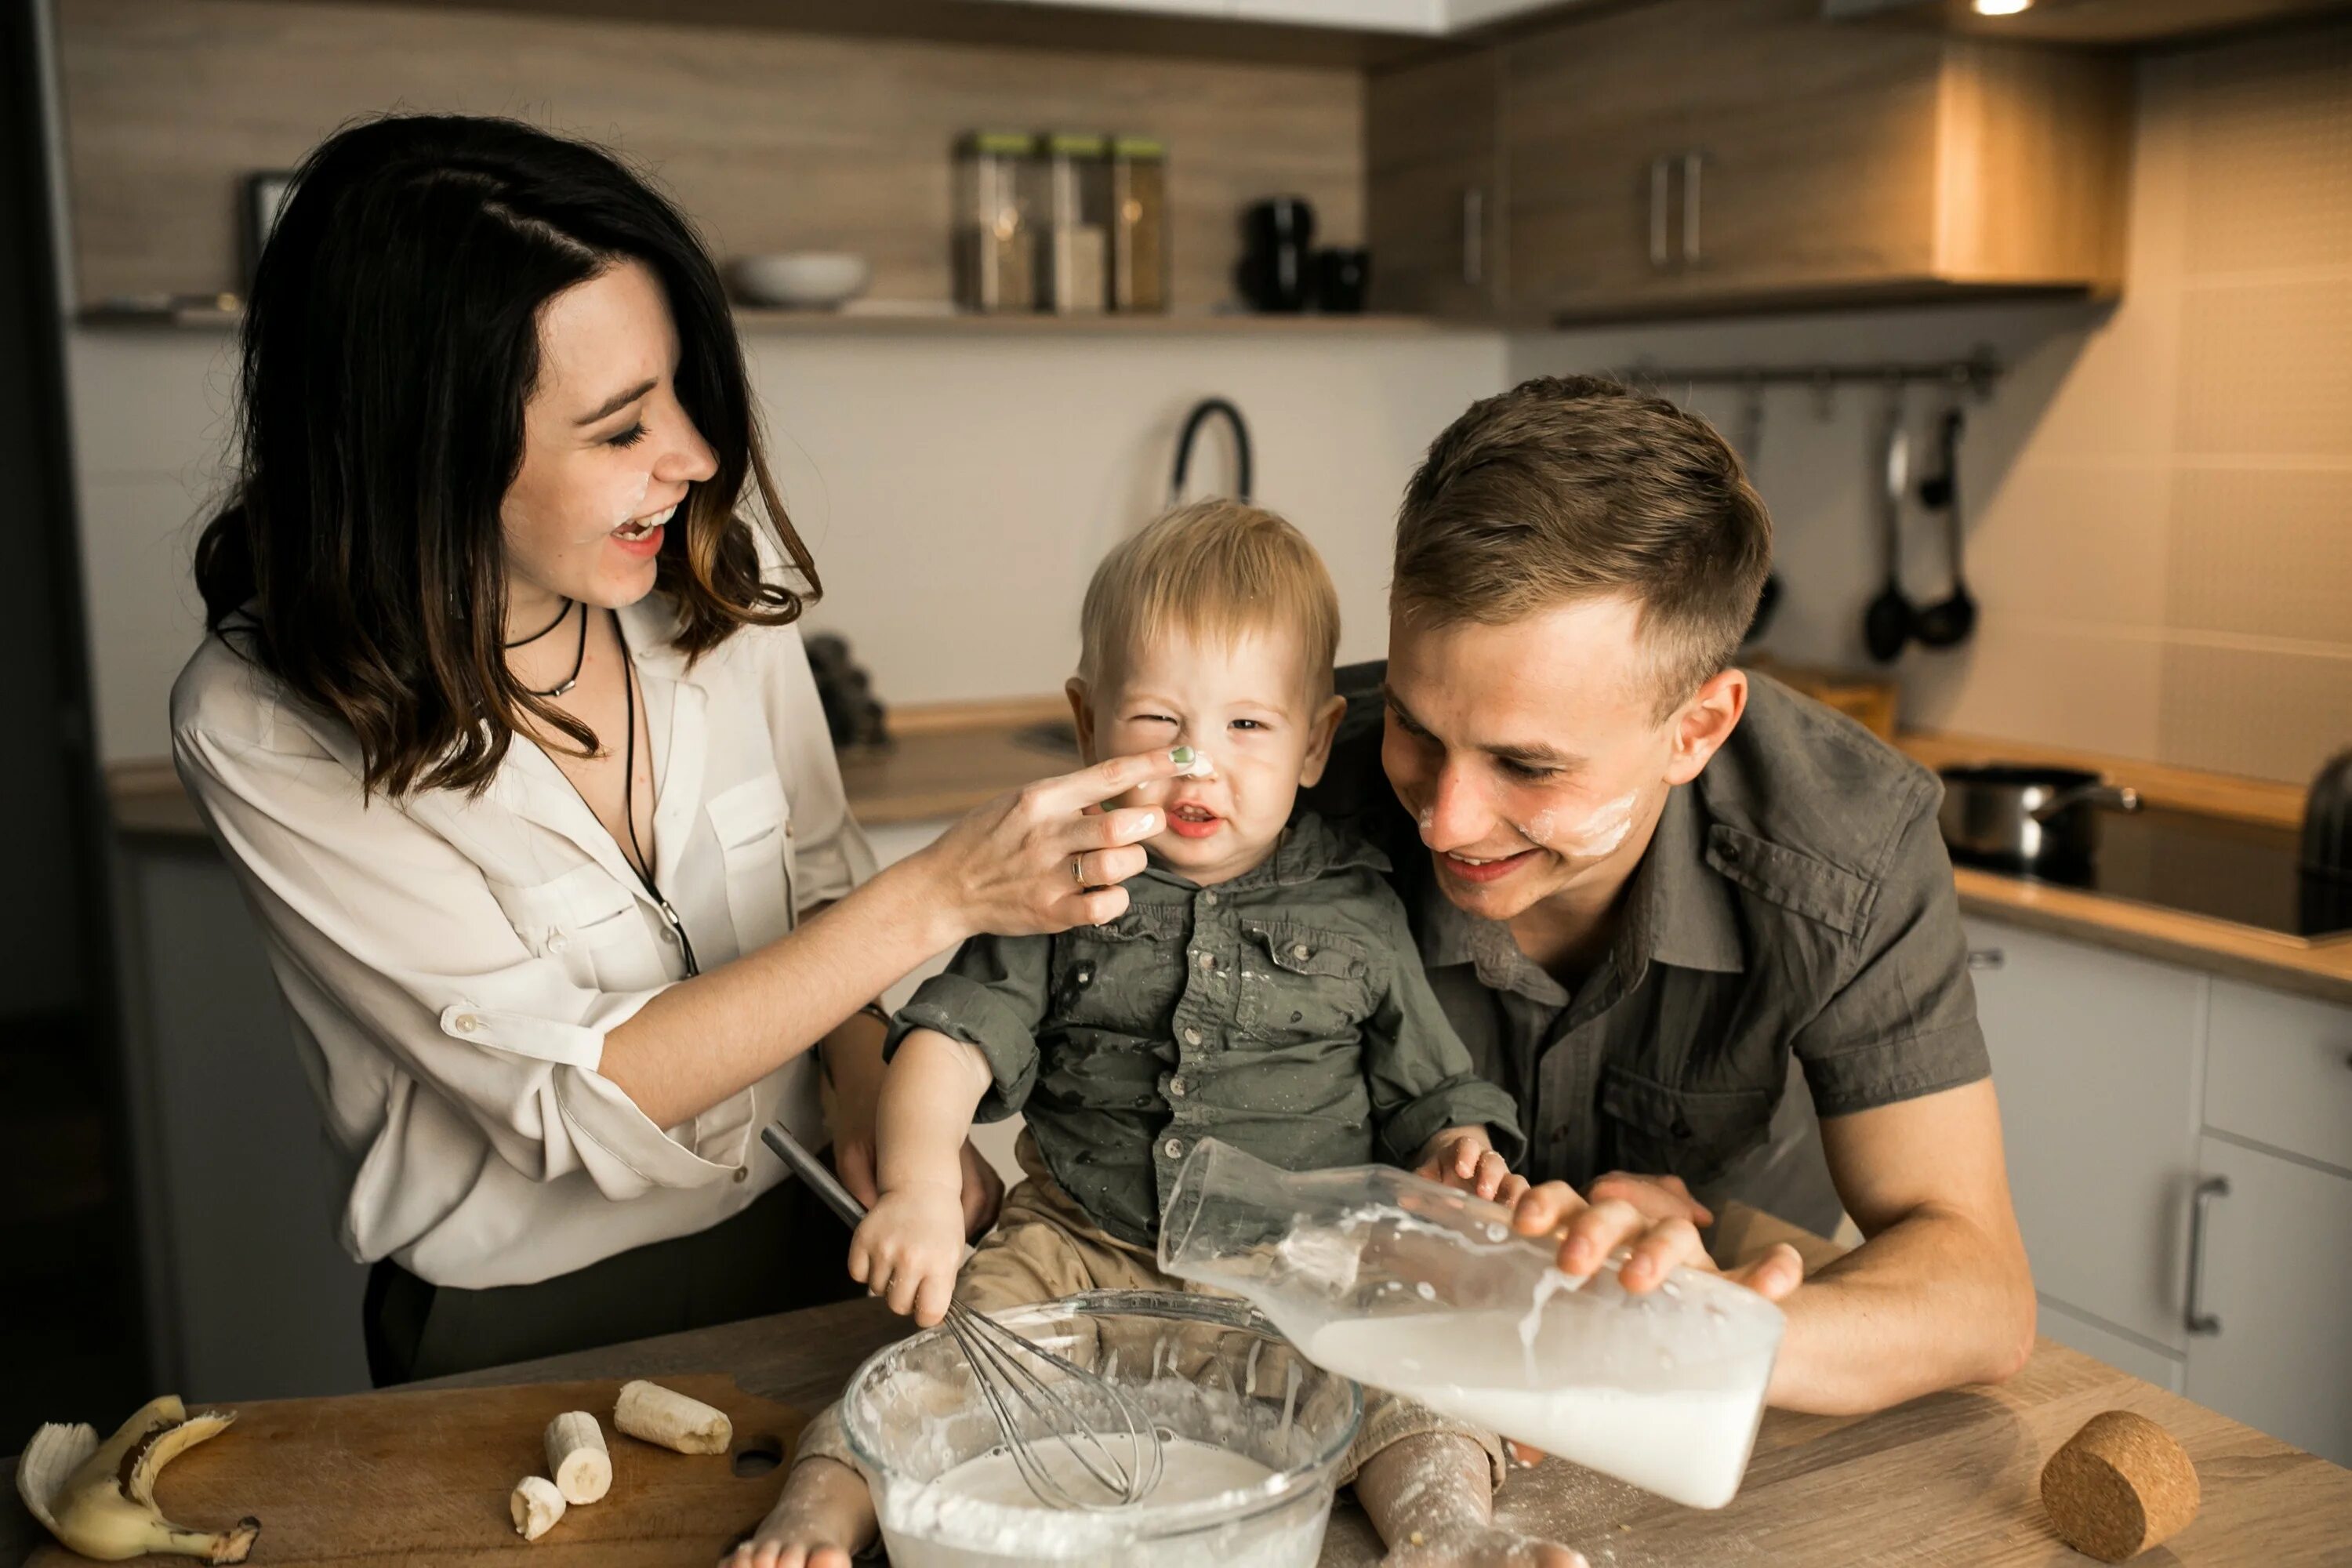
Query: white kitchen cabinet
[2282, 1073]
[2096, 1057]
[2094, 1338]
[2277, 1281]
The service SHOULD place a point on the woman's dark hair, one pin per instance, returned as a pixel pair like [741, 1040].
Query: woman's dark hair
[390, 346]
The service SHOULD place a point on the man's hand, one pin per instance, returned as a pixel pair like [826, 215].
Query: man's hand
[1656, 1219]
[908, 1249]
[1462, 1157]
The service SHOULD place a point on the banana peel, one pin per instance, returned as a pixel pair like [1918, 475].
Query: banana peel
[99, 1499]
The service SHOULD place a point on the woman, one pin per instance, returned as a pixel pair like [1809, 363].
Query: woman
[505, 724]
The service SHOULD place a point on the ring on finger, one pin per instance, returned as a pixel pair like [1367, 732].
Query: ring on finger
[1079, 869]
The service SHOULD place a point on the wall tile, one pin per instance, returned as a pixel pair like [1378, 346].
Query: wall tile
[2030, 679]
[2262, 551]
[2267, 367]
[2265, 713]
[2086, 546]
[2269, 166]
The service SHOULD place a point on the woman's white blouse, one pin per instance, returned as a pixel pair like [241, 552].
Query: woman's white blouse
[454, 962]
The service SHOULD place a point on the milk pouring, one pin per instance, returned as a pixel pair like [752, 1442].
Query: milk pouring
[1415, 1288]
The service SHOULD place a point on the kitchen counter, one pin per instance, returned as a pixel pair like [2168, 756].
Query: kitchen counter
[946, 758]
[1952, 1478]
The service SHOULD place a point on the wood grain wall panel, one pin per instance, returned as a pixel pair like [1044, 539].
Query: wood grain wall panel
[770, 140]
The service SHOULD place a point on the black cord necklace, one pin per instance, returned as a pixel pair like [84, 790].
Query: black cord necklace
[579, 654]
[526, 642]
[644, 863]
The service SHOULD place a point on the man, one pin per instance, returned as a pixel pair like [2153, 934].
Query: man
[1644, 883]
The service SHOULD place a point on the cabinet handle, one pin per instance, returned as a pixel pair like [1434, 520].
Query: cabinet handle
[1984, 958]
[2198, 1319]
[1474, 235]
[1694, 166]
[1662, 176]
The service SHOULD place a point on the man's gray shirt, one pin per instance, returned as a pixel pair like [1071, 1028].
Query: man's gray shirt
[1794, 913]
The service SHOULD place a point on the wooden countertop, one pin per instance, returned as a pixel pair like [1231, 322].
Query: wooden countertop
[1950, 1479]
[946, 758]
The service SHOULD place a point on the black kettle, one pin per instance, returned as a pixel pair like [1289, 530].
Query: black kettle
[2326, 859]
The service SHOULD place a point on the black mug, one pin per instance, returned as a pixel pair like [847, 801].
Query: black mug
[1277, 236]
[1341, 276]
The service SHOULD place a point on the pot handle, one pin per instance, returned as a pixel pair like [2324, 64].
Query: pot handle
[2122, 797]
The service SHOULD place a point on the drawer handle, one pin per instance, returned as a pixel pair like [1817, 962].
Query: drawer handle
[2198, 1319]
[1984, 958]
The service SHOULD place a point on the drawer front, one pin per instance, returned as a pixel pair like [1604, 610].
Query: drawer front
[2279, 1072]
[2080, 1330]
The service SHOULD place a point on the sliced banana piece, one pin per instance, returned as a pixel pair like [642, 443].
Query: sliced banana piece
[536, 1505]
[577, 1458]
[663, 1415]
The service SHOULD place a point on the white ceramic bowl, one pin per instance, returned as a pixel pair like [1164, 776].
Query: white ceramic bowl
[800, 279]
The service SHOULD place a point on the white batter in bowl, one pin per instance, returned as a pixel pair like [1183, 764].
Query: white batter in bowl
[1255, 1435]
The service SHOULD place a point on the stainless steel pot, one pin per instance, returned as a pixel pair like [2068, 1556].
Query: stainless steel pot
[2025, 817]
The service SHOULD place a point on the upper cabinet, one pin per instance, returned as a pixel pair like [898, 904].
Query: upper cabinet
[1692, 156]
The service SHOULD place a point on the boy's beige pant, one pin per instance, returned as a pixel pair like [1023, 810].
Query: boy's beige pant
[1044, 1247]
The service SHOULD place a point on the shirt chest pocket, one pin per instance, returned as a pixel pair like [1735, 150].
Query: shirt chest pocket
[1123, 976]
[753, 824]
[1692, 1133]
[587, 923]
[1301, 983]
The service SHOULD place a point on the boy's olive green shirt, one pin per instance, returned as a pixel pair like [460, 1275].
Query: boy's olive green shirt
[1285, 1012]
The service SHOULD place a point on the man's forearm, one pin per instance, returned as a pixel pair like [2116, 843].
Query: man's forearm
[1931, 1302]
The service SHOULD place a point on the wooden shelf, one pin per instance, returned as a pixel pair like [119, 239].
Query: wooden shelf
[918, 324]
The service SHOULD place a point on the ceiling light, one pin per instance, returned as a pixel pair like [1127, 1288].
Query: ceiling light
[1999, 7]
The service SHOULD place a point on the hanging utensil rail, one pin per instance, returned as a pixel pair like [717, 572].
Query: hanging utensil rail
[1977, 373]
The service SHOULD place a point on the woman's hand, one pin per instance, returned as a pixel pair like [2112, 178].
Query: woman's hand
[1462, 1157]
[909, 1249]
[1044, 858]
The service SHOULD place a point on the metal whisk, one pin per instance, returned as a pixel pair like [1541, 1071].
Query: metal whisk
[1025, 1400]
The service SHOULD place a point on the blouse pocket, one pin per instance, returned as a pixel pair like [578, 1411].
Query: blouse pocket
[587, 923]
[1301, 983]
[753, 824]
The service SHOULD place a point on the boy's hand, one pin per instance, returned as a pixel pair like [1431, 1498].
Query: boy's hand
[1462, 1157]
[909, 1248]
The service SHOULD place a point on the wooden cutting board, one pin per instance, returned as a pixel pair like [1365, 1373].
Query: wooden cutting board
[422, 1477]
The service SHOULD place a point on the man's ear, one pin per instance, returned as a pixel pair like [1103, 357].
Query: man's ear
[1322, 729]
[1705, 724]
[1082, 714]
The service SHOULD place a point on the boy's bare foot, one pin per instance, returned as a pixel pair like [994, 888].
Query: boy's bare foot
[823, 1519]
[1430, 1497]
[1482, 1546]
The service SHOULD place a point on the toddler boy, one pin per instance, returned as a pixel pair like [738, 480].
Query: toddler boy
[1262, 988]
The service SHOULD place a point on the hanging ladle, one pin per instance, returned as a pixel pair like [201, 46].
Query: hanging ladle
[1889, 622]
[1947, 622]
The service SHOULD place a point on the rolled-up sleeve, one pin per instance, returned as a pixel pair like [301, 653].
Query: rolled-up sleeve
[1904, 1021]
[385, 936]
[992, 996]
[1420, 1072]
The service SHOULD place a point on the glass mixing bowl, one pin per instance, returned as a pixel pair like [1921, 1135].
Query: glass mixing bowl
[1210, 1369]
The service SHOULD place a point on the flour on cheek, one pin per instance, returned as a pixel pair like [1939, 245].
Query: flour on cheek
[1598, 833]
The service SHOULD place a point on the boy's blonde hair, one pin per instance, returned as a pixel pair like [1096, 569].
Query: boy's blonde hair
[1217, 569]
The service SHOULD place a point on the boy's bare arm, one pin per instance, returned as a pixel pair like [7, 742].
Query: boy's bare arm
[911, 1244]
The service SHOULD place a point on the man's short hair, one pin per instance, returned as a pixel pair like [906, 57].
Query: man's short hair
[1217, 570]
[1570, 487]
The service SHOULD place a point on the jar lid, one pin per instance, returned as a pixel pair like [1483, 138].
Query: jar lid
[1077, 144]
[1138, 147]
[1019, 143]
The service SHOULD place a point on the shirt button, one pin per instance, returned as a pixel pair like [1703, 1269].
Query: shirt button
[1172, 1148]
[1176, 1088]
[788, 830]
[1206, 960]
[1209, 897]
[1299, 952]
[467, 1024]
[559, 942]
[742, 1173]
[1192, 1036]
[669, 935]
